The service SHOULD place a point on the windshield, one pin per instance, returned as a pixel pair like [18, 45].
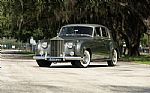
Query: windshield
[76, 30]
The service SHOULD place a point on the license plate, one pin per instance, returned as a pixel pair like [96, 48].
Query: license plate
[55, 59]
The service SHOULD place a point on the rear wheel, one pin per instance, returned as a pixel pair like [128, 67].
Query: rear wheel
[43, 63]
[85, 62]
[114, 58]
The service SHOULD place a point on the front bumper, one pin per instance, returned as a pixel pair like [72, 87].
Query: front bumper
[57, 59]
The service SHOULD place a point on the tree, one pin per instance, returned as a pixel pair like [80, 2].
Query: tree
[42, 18]
[5, 19]
[127, 19]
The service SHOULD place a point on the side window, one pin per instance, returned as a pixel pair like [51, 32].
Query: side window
[104, 32]
[98, 31]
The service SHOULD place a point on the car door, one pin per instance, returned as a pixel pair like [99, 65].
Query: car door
[105, 41]
[100, 44]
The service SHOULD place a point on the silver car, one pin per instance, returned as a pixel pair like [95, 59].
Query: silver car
[79, 44]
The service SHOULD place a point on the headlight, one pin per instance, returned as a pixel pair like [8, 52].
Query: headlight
[72, 53]
[44, 45]
[70, 45]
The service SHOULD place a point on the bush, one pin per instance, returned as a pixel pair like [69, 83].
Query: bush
[7, 43]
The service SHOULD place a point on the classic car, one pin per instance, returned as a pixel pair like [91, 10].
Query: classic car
[79, 44]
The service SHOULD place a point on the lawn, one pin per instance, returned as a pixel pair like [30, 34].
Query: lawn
[142, 59]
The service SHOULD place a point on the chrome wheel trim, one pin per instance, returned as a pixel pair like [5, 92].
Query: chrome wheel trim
[114, 57]
[86, 59]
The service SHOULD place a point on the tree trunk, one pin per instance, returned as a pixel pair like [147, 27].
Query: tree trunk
[133, 51]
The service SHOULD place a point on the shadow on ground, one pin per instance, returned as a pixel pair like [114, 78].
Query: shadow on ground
[127, 89]
[70, 66]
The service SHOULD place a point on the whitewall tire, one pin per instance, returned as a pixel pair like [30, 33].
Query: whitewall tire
[86, 60]
[114, 58]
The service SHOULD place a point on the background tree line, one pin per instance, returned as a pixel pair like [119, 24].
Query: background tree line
[21, 19]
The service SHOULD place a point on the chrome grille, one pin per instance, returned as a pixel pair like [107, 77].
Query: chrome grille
[57, 46]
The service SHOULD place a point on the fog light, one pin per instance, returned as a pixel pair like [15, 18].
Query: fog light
[61, 55]
[41, 53]
[71, 53]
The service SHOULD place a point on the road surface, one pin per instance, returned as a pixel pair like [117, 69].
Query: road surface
[24, 76]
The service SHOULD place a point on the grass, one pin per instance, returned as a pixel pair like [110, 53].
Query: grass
[142, 59]
[143, 62]
[26, 53]
[20, 54]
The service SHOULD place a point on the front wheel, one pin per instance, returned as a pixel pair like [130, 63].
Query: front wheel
[85, 62]
[114, 58]
[43, 63]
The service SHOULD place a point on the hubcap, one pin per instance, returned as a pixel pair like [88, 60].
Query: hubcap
[114, 57]
[86, 59]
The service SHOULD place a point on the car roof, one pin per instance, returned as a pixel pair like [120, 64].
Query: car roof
[88, 25]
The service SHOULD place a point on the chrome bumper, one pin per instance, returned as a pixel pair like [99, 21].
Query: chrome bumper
[55, 59]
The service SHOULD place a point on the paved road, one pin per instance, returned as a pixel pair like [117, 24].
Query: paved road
[24, 76]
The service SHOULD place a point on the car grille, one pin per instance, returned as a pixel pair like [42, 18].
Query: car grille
[57, 46]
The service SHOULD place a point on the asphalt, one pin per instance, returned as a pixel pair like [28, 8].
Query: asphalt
[25, 76]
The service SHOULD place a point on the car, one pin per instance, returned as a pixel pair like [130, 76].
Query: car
[79, 44]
